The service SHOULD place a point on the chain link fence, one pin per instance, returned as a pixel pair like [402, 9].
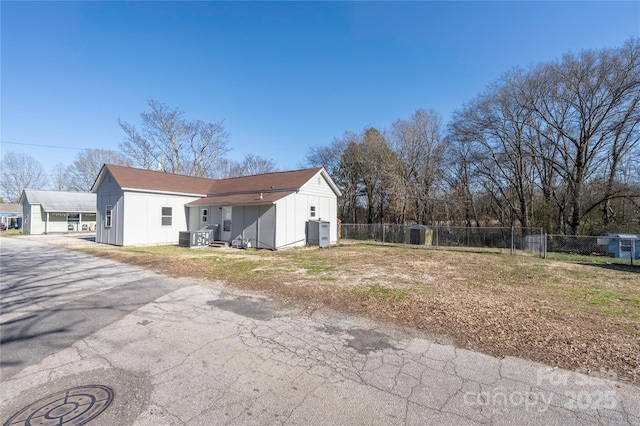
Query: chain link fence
[576, 244]
[532, 240]
[498, 238]
[618, 248]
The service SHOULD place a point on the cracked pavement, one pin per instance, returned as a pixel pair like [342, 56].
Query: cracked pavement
[205, 355]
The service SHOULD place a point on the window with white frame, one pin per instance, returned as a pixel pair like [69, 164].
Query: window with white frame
[312, 211]
[107, 217]
[205, 213]
[226, 219]
[73, 220]
[167, 214]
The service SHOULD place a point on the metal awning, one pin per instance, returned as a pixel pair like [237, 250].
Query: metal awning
[61, 201]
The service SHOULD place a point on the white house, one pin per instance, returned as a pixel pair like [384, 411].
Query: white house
[11, 215]
[143, 207]
[44, 212]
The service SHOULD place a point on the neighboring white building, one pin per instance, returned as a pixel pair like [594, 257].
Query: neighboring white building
[11, 215]
[143, 207]
[45, 212]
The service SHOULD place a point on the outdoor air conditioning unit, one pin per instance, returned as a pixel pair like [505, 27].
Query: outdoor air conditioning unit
[200, 238]
[319, 233]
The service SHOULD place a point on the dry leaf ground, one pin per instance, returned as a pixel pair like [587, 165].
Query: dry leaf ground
[578, 313]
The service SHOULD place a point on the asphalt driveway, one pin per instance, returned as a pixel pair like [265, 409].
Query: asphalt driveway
[156, 350]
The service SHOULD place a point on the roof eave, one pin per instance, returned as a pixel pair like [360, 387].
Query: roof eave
[157, 191]
[332, 184]
[99, 179]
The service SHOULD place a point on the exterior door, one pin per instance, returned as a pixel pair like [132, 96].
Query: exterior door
[225, 231]
[204, 217]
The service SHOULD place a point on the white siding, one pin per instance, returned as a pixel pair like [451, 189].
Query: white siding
[291, 218]
[35, 220]
[40, 217]
[57, 222]
[114, 233]
[319, 192]
[141, 222]
[317, 185]
[285, 229]
[193, 222]
[88, 219]
[110, 194]
[292, 215]
[32, 219]
[143, 218]
[215, 217]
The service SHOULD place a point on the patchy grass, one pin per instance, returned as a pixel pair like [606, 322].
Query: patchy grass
[610, 302]
[571, 312]
[604, 261]
[377, 291]
[11, 233]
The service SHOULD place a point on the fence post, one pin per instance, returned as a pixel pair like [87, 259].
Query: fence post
[546, 237]
[436, 236]
[541, 246]
[383, 227]
[512, 240]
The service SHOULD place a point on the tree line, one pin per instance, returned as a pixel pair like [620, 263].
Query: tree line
[554, 146]
[165, 141]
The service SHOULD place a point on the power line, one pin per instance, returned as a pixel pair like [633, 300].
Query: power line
[42, 146]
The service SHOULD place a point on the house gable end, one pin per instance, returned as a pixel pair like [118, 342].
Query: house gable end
[105, 181]
[320, 180]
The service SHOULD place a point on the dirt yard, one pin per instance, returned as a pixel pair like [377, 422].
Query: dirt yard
[574, 312]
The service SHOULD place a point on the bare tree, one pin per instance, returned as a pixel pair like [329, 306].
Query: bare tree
[376, 173]
[348, 174]
[59, 178]
[551, 140]
[463, 187]
[251, 164]
[588, 104]
[327, 156]
[625, 129]
[419, 146]
[330, 157]
[81, 174]
[20, 171]
[366, 166]
[169, 142]
[495, 125]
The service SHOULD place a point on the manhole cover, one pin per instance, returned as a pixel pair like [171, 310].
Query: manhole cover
[73, 407]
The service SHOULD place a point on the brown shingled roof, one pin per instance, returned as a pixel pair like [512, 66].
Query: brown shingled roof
[268, 182]
[245, 189]
[128, 177]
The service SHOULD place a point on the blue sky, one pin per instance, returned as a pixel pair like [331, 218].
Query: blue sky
[284, 76]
